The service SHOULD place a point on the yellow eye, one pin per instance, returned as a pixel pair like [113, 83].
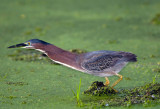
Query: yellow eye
[28, 43]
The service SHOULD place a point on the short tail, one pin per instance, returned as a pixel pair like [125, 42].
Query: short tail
[130, 57]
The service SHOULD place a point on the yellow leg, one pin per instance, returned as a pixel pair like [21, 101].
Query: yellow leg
[120, 78]
[107, 81]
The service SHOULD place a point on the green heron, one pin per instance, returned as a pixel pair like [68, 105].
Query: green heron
[100, 63]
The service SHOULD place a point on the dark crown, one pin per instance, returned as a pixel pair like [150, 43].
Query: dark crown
[38, 41]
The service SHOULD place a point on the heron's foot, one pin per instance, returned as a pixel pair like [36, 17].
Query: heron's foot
[114, 89]
[120, 78]
[107, 81]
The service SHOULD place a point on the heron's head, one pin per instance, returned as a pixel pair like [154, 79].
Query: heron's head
[31, 44]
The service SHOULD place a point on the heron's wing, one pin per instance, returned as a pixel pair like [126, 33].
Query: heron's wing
[99, 62]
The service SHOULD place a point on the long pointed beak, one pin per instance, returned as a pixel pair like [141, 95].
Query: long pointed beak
[18, 45]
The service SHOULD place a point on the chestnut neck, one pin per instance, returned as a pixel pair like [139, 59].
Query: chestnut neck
[61, 56]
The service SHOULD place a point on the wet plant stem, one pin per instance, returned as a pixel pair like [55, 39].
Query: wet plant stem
[77, 95]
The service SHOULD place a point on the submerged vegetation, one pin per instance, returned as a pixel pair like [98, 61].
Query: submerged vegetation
[17, 83]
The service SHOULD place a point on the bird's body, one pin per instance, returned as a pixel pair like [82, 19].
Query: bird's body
[106, 63]
[100, 63]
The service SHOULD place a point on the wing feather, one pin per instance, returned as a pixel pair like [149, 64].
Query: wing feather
[101, 62]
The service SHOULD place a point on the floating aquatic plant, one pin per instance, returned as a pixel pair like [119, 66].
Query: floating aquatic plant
[78, 51]
[149, 93]
[156, 19]
[98, 88]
